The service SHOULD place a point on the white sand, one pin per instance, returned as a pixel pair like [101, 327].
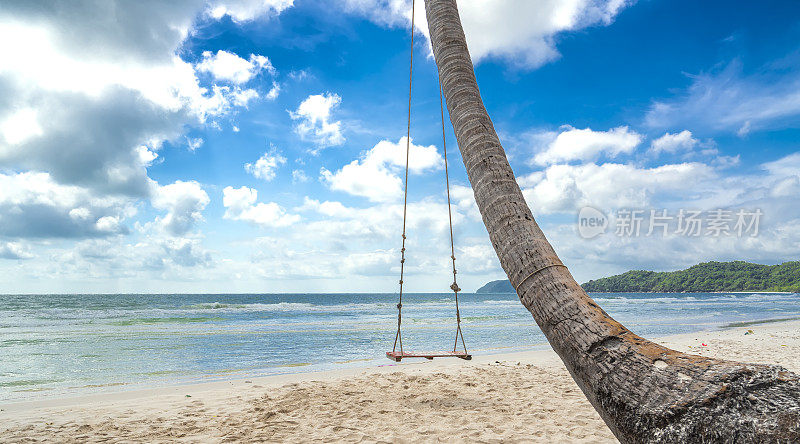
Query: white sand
[515, 397]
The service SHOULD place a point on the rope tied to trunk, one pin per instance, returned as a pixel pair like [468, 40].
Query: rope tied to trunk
[454, 286]
[559, 264]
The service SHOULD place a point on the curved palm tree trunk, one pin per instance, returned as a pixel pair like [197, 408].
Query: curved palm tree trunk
[643, 391]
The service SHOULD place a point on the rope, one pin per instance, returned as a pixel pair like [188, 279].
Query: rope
[454, 286]
[397, 337]
[516, 289]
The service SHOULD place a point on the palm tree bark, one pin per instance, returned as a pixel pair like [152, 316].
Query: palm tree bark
[643, 391]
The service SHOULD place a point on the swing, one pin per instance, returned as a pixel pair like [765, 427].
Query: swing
[397, 355]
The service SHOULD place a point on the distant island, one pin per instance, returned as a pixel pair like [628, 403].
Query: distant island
[501, 286]
[704, 277]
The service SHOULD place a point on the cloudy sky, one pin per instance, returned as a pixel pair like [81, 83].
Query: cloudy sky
[258, 145]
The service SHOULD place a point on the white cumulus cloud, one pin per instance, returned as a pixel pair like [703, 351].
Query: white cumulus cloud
[266, 166]
[314, 121]
[20, 126]
[240, 204]
[33, 205]
[376, 175]
[245, 10]
[521, 32]
[120, 85]
[565, 188]
[14, 250]
[230, 67]
[184, 203]
[586, 144]
[299, 176]
[672, 143]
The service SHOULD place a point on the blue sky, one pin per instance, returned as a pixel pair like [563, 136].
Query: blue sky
[257, 145]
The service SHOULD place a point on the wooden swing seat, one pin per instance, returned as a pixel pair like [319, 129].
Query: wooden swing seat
[398, 356]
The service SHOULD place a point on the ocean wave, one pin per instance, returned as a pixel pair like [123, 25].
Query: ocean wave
[695, 298]
[355, 307]
[285, 307]
[499, 302]
[214, 306]
[277, 306]
[151, 321]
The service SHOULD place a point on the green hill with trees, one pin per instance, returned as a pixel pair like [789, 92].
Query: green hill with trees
[501, 286]
[705, 277]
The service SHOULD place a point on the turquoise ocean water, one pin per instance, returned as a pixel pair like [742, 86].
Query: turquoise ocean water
[60, 345]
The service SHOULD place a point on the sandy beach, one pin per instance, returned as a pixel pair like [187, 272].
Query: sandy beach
[518, 397]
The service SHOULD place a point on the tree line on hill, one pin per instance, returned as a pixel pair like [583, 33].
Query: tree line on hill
[704, 277]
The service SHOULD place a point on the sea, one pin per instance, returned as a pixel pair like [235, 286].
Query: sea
[61, 345]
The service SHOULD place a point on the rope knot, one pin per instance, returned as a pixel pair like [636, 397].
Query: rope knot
[399, 306]
[455, 288]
